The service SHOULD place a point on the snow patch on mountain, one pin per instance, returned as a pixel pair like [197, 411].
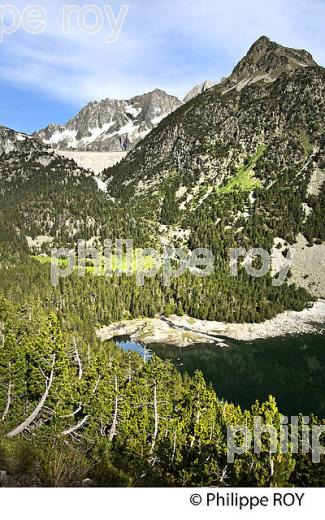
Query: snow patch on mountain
[111, 125]
[10, 141]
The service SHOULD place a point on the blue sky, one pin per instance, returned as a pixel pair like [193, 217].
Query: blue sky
[170, 44]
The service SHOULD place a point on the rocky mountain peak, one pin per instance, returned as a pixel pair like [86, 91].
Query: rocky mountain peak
[262, 44]
[199, 89]
[224, 143]
[111, 125]
[11, 141]
[268, 60]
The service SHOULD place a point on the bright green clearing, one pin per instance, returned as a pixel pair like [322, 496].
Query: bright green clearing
[125, 264]
[244, 180]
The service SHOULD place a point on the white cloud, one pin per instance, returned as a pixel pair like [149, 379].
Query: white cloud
[164, 43]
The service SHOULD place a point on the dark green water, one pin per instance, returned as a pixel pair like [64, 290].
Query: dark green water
[292, 369]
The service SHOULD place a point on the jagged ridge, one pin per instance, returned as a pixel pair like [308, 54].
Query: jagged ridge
[111, 125]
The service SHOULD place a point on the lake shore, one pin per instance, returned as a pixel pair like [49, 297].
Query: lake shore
[183, 331]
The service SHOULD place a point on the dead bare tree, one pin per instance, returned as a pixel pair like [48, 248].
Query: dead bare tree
[96, 385]
[25, 424]
[6, 411]
[156, 419]
[77, 427]
[224, 475]
[174, 445]
[77, 358]
[80, 424]
[73, 414]
[197, 420]
[112, 431]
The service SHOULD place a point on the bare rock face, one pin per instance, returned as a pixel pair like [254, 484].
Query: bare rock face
[199, 89]
[267, 60]
[11, 141]
[111, 125]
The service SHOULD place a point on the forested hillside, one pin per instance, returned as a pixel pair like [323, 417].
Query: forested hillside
[47, 201]
[240, 165]
[72, 410]
[231, 156]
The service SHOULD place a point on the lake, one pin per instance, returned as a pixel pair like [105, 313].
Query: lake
[290, 368]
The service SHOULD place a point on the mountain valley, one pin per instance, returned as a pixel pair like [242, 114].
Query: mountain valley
[238, 165]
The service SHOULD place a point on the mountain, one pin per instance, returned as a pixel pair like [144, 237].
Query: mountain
[199, 89]
[14, 141]
[217, 171]
[47, 201]
[214, 173]
[202, 141]
[240, 165]
[111, 125]
[267, 60]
